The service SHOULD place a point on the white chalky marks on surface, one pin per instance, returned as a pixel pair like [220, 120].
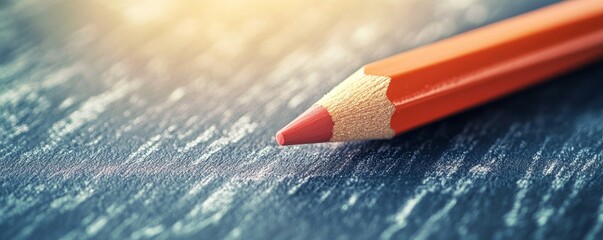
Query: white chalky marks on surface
[549, 168]
[296, 186]
[596, 229]
[401, 217]
[69, 202]
[55, 79]
[203, 137]
[259, 155]
[239, 129]
[97, 225]
[523, 184]
[16, 66]
[208, 212]
[436, 180]
[460, 188]
[15, 203]
[148, 232]
[89, 111]
[145, 149]
[197, 187]
[68, 102]
[176, 95]
[576, 170]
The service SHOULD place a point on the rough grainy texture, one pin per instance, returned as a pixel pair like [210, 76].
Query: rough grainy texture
[356, 113]
[138, 120]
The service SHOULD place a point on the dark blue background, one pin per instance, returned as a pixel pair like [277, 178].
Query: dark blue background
[114, 125]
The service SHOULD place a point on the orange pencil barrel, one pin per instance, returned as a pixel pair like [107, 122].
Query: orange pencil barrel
[437, 80]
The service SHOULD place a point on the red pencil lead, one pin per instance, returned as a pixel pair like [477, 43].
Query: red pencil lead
[313, 126]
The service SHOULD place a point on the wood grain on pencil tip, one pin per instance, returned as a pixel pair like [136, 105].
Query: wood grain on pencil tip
[396, 94]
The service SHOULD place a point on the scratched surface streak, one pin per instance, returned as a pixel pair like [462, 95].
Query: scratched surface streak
[138, 119]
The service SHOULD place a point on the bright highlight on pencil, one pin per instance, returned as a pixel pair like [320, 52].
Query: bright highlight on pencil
[402, 92]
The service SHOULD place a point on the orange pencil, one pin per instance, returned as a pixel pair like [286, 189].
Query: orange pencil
[402, 92]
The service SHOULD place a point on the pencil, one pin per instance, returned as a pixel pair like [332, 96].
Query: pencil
[402, 92]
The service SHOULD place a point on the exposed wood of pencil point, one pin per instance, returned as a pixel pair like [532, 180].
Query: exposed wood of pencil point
[357, 108]
[420, 86]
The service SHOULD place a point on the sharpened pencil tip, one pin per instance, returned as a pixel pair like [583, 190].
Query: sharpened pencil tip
[313, 126]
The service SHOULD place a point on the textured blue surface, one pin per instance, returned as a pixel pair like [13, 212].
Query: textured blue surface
[130, 120]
